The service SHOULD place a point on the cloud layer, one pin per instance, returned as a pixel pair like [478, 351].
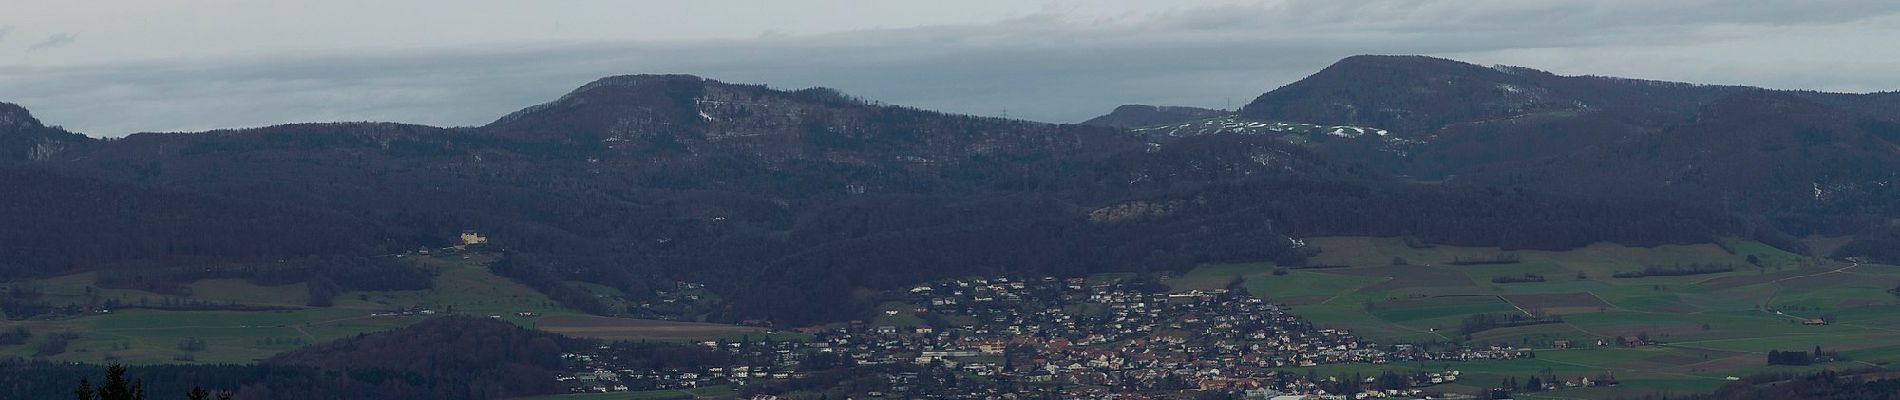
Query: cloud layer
[1063, 63]
[56, 40]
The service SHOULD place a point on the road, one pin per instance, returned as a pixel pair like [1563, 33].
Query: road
[1766, 303]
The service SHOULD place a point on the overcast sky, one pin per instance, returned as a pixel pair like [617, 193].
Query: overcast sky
[114, 68]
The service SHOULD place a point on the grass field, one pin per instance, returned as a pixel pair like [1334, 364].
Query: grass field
[638, 329]
[906, 316]
[1296, 286]
[463, 286]
[696, 393]
[1711, 325]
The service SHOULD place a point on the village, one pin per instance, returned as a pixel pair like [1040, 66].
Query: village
[1069, 338]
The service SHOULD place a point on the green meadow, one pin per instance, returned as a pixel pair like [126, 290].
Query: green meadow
[1711, 326]
[669, 394]
[463, 285]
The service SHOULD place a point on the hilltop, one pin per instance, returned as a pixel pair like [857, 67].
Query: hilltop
[1137, 115]
[785, 201]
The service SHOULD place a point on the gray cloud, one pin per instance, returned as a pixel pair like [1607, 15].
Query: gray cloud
[4, 30]
[56, 40]
[1051, 66]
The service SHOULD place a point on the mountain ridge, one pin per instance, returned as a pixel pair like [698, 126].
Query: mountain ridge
[1140, 115]
[23, 137]
[1474, 119]
[788, 201]
[1336, 93]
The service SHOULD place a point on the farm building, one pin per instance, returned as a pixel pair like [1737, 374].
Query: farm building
[470, 238]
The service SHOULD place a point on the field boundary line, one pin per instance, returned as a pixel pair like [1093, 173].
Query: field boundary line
[1355, 290]
[1513, 304]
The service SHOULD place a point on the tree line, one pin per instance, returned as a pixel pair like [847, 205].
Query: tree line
[766, 226]
[440, 358]
[1676, 270]
[1486, 321]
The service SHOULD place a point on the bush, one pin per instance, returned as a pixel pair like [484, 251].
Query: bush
[193, 344]
[1676, 270]
[1500, 258]
[1528, 277]
[54, 344]
[17, 335]
[1483, 322]
[1777, 357]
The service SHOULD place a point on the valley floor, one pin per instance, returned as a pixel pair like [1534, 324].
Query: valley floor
[1705, 327]
[463, 285]
[1654, 334]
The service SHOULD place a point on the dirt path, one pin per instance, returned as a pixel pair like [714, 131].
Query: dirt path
[1382, 320]
[1630, 369]
[1521, 309]
[1679, 345]
[1769, 302]
[1356, 290]
[306, 334]
[1837, 270]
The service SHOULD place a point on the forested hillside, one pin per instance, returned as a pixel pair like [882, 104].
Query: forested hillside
[442, 358]
[23, 137]
[1805, 163]
[1137, 115]
[783, 202]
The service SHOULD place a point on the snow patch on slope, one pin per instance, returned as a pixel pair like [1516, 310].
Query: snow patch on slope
[1233, 125]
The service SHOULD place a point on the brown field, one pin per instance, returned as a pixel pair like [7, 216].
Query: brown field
[638, 329]
[1559, 303]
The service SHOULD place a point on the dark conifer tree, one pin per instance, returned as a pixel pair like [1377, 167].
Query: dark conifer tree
[84, 392]
[115, 387]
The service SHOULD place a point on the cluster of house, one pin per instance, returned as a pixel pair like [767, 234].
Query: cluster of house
[1078, 338]
[682, 299]
[749, 362]
[410, 311]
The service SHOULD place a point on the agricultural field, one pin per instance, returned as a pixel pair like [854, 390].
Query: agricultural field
[1707, 326]
[607, 328]
[898, 314]
[1295, 287]
[463, 285]
[668, 394]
